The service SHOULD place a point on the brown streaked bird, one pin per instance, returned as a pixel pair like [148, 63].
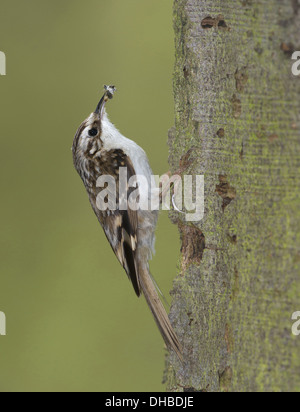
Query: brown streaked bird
[100, 149]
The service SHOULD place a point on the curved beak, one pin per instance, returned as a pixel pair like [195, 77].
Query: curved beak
[109, 94]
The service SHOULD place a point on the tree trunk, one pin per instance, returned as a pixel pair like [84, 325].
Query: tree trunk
[238, 121]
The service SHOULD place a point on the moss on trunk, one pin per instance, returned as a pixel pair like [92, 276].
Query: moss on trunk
[237, 107]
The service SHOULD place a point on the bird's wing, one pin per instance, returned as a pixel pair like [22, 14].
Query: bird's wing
[121, 226]
[122, 231]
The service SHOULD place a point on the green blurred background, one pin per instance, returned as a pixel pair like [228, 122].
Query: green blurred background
[73, 321]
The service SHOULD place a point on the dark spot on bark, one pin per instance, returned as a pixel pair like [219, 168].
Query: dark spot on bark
[286, 23]
[227, 192]
[222, 23]
[296, 6]
[229, 338]
[192, 390]
[273, 137]
[221, 133]
[241, 78]
[259, 50]
[191, 318]
[186, 160]
[226, 379]
[288, 49]
[208, 23]
[186, 72]
[247, 2]
[236, 106]
[193, 244]
[236, 284]
[196, 126]
[214, 22]
[242, 152]
[233, 239]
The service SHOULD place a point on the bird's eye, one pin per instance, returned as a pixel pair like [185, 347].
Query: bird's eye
[93, 132]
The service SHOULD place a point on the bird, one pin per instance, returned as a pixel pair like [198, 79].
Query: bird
[99, 149]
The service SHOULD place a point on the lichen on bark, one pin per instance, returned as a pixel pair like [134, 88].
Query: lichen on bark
[237, 106]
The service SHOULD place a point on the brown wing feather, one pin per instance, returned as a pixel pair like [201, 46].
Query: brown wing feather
[120, 226]
[121, 231]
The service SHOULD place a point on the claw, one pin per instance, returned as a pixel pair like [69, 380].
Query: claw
[175, 207]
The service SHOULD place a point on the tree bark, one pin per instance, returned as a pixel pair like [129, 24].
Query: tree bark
[237, 120]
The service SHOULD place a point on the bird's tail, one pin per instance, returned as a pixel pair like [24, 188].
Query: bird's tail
[159, 312]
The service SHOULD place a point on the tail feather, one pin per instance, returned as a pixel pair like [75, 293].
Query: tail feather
[159, 313]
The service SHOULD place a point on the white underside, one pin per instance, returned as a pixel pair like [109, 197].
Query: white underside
[112, 139]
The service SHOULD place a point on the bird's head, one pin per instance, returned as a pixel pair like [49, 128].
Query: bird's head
[87, 140]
